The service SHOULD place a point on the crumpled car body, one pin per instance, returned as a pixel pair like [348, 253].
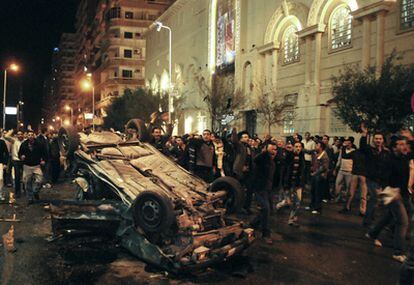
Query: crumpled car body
[162, 213]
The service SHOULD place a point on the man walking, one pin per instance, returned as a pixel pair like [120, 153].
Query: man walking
[16, 162]
[203, 156]
[4, 158]
[308, 148]
[319, 174]
[344, 170]
[33, 156]
[264, 168]
[294, 180]
[377, 161]
[43, 140]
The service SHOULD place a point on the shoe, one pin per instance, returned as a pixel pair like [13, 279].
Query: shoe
[377, 242]
[308, 208]
[345, 210]
[293, 223]
[36, 196]
[268, 240]
[325, 201]
[316, 212]
[281, 204]
[400, 258]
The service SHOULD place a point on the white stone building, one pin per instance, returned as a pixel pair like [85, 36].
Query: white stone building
[293, 47]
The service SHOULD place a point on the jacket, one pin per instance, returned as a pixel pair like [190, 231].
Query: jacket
[4, 152]
[243, 157]
[33, 154]
[377, 162]
[264, 168]
[320, 164]
[292, 178]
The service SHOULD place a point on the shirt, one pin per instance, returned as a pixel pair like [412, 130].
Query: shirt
[308, 145]
[15, 149]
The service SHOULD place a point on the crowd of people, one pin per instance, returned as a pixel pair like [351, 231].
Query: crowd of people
[274, 172]
[278, 173]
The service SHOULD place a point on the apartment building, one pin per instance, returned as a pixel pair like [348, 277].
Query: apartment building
[111, 48]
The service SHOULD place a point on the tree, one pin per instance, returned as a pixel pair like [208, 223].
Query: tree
[133, 104]
[270, 109]
[220, 100]
[381, 102]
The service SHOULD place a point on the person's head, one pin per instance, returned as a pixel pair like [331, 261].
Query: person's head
[30, 135]
[243, 136]
[20, 135]
[320, 146]
[179, 141]
[307, 136]
[325, 139]
[213, 136]
[400, 145]
[156, 133]
[206, 135]
[297, 147]
[280, 143]
[347, 143]
[271, 148]
[378, 140]
[43, 131]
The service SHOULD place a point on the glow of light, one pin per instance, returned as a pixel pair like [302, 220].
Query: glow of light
[86, 85]
[57, 118]
[165, 81]
[66, 123]
[201, 124]
[67, 107]
[14, 67]
[188, 124]
[51, 127]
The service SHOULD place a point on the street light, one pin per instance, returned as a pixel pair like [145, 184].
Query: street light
[69, 108]
[13, 67]
[88, 85]
[160, 26]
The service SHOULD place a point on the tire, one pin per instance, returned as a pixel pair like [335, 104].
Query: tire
[138, 125]
[153, 212]
[235, 193]
[68, 140]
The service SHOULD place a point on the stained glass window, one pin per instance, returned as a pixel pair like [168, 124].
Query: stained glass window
[407, 14]
[291, 45]
[341, 27]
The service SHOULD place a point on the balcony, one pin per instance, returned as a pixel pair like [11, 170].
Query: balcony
[122, 81]
[117, 61]
[129, 23]
[133, 43]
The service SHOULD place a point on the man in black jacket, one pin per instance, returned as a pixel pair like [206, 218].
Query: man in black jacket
[4, 158]
[243, 163]
[33, 155]
[377, 159]
[294, 180]
[264, 168]
[203, 156]
[43, 140]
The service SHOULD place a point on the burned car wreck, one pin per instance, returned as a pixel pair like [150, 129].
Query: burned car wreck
[158, 211]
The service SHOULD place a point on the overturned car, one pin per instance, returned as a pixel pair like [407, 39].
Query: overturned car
[160, 212]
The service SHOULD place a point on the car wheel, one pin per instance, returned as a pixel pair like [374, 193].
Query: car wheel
[138, 125]
[153, 212]
[235, 193]
[68, 140]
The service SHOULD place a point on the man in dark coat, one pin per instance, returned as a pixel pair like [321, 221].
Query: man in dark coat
[43, 140]
[264, 168]
[4, 158]
[243, 163]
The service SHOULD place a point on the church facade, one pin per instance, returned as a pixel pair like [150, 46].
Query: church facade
[287, 49]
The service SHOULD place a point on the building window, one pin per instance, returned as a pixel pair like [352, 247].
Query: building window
[290, 45]
[407, 14]
[128, 35]
[129, 15]
[114, 13]
[127, 73]
[128, 53]
[341, 27]
[288, 127]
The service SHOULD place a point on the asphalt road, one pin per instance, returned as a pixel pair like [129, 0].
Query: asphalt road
[327, 249]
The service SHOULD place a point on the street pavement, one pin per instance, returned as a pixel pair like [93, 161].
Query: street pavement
[326, 249]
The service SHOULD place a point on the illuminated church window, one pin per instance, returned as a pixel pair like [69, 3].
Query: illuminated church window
[290, 45]
[341, 27]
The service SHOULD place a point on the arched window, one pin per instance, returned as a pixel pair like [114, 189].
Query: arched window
[407, 14]
[341, 27]
[290, 45]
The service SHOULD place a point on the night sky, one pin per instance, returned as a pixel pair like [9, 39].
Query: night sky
[29, 30]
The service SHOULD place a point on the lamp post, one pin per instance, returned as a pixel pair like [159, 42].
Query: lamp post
[69, 108]
[13, 67]
[88, 85]
[160, 26]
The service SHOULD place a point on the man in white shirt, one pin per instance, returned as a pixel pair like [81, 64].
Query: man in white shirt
[16, 162]
[308, 148]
